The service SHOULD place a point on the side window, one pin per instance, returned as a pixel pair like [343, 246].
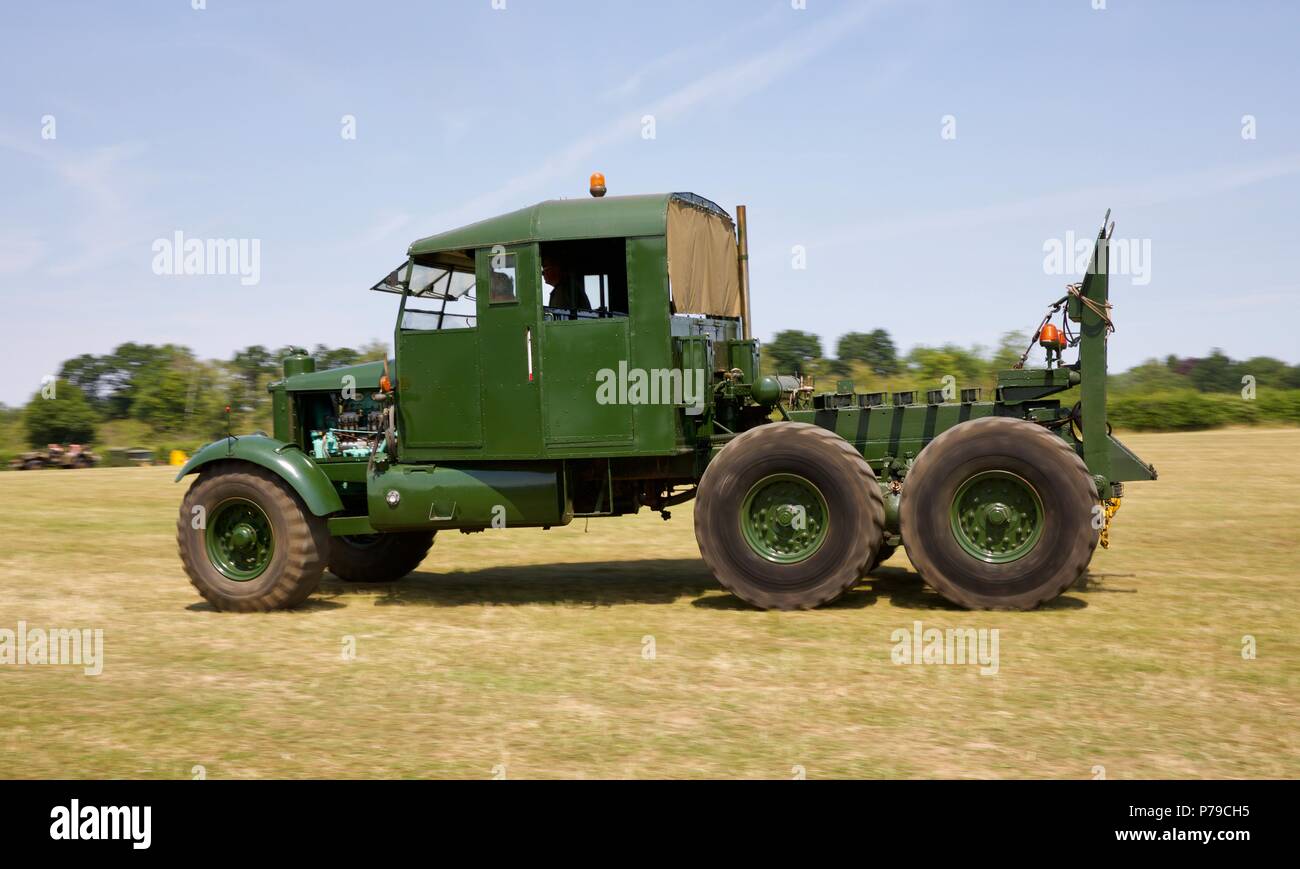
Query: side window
[501, 278]
[596, 289]
[584, 280]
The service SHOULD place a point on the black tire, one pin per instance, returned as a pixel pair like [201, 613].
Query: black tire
[853, 530]
[1061, 484]
[883, 554]
[378, 557]
[300, 540]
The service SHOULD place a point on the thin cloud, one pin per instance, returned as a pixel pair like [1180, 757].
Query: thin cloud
[386, 225]
[695, 55]
[1160, 191]
[107, 220]
[18, 254]
[722, 86]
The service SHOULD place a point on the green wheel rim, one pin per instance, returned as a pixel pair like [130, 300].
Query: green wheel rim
[784, 518]
[239, 539]
[997, 516]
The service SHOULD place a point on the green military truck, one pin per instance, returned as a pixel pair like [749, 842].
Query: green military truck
[592, 357]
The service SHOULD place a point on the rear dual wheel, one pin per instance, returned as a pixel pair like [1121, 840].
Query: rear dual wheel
[998, 513]
[789, 516]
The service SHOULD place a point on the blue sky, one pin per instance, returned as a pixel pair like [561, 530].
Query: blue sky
[826, 121]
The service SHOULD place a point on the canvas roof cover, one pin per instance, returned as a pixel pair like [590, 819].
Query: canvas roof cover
[702, 264]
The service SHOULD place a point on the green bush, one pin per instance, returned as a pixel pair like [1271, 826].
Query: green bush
[63, 417]
[1187, 409]
[1279, 405]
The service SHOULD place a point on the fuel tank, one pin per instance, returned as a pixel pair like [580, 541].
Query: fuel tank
[406, 497]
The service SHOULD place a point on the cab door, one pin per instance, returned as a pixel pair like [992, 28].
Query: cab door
[509, 311]
[437, 367]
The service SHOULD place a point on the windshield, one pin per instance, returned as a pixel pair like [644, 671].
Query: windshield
[439, 296]
[439, 282]
[393, 282]
[427, 280]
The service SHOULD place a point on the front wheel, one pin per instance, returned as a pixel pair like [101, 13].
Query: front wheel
[788, 516]
[248, 542]
[998, 513]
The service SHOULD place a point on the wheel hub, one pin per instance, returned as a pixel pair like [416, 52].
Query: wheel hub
[784, 518]
[242, 536]
[997, 516]
[239, 539]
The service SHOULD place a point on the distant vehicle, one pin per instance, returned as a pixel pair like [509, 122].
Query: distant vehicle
[635, 383]
[122, 458]
[56, 456]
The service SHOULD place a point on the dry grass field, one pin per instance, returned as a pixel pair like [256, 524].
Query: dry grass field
[527, 653]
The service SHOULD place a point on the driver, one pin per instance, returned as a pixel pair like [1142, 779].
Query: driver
[556, 277]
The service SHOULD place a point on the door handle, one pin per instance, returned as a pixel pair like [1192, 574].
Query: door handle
[528, 350]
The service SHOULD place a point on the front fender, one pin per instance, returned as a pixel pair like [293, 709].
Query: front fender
[284, 459]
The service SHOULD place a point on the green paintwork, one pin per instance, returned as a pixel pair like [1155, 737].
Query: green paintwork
[285, 459]
[365, 376]
[298, 362]
[557, 220]
[474, 432]
[891, 438]
[239, 538]
[438, 380]
[767, 391]
[464, 394]
[511, 401]
[575, 353]
[784, 518]
[282, 413]
[1016, 386]
[1092, 360]
[892, 500]
[996, 517]
[1125, 466]
[743, 355]
[471, 496]
[347, 526]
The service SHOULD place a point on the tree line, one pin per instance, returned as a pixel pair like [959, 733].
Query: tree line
[873, 358]
[167, 390]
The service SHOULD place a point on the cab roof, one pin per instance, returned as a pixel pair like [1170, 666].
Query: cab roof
[567, 219]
